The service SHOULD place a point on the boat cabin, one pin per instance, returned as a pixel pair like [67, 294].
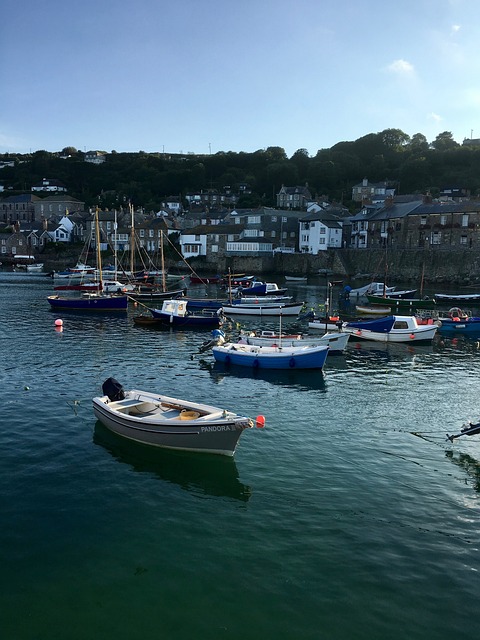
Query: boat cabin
[175, 308]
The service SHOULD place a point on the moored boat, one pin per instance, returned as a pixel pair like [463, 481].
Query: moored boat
[458, 322]
[256, 357]
[394, 328]
[174, 313]
[462, 298]
[403, 303]
[168, 423]
[260, 309]
[336, 341]
[373, 310]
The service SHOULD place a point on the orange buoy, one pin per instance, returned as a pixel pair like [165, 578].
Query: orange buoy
[58, 323]
[260, 422]
[412, 336]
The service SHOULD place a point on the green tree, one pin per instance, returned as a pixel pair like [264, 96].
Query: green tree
[444, 142]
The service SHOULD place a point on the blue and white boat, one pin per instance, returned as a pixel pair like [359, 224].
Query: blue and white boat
[391, 329]
[174, 313]
[256, 357]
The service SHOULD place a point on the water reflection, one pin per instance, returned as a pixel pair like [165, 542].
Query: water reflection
[201, 474]
[293, 378]
[468, 464]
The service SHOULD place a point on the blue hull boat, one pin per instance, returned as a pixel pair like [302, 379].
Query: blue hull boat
[457, 326]
[256, 357]
[89, 302]
[174, 313]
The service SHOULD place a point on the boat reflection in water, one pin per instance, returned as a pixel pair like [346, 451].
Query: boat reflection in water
[293, 378]
[200, 474]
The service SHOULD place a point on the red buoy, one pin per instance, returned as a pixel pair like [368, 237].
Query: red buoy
[260, 422]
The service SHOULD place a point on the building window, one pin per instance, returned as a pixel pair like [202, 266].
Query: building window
[465, 220]
[443, 220]
[214, 248]
[463, 240]
[142, 233]
[274, 218]
[323, 230]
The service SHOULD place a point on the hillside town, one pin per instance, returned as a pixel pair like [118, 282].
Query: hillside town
[208, 226]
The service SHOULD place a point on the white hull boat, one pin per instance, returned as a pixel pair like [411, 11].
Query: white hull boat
[169, 423]
[259, 309]
[336, 341]
[391, 329]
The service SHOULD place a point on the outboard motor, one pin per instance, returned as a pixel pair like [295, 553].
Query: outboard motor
[113, 389]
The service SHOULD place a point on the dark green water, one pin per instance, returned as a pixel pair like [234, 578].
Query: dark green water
[348, 516]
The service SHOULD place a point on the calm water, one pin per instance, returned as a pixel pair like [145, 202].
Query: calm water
[348, 516]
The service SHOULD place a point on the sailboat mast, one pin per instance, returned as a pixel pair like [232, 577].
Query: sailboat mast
[115, 245]
[99, 254]
[164, 285]
[132, 241]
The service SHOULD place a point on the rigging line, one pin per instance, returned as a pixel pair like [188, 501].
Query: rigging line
[183, 259]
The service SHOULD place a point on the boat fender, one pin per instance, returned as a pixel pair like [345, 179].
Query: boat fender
[256, 363]
[412, 336]
[291, 363]
[227, 359]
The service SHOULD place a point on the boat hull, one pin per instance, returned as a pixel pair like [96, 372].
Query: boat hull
[89, 303]
[391, 329]
[337, 342]
[402, 303]
[263, 310]
[271, 357]
[468, 327]
[443, 298]
[216, 435]
[194, 321]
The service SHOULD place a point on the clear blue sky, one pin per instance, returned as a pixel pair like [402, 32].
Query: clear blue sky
[205, 76]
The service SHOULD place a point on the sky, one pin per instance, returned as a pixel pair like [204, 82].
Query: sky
[204, 76]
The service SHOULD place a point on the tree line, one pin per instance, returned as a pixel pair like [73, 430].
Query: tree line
[410, 164]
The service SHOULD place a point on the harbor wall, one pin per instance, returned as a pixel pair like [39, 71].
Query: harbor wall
[407, 265]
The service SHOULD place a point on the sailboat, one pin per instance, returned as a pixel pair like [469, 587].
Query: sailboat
[147, 293]
[98, 301]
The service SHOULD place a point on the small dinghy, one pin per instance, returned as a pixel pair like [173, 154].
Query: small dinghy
[169, 423]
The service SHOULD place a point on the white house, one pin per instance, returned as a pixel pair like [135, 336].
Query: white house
[320, 231]
[193, 244]
[95, 157]
[63, 232]
[48, 184]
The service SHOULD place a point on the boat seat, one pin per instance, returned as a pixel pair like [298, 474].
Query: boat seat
[127, 403]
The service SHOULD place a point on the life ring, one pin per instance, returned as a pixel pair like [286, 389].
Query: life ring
[455, 314]
[256, 363]
[291, 363]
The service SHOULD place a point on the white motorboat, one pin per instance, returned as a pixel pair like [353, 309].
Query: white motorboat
[391, 329]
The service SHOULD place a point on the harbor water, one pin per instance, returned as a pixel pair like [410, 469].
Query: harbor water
[349, 516]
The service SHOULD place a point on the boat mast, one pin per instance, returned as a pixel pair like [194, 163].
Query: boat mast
[164, 285]
[132, 241]
[115, 245]
[99, 254]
